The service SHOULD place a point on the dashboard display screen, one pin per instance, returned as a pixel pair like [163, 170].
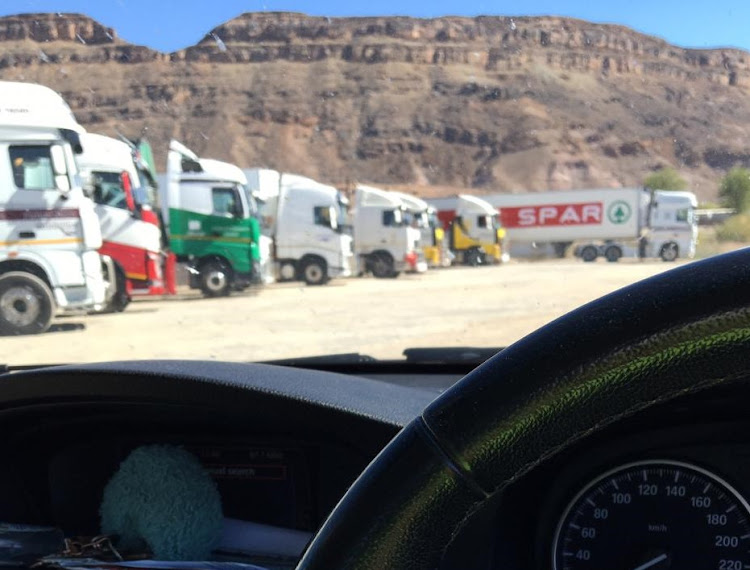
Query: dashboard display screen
[268, 485]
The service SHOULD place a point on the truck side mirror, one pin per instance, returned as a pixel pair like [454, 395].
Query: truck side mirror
[127, 187]
[60, 168]
[332, 217]
[237, 210]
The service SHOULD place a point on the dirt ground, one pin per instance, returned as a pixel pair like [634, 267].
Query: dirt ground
[487, 306]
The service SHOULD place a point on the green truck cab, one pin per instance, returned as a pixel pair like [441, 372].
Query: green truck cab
[213, 222]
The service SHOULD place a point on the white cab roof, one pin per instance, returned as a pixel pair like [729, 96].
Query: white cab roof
[220, 170]
[100, 152]
[369, 196]
[473, 205]
[35, 106]
[677, 196]
[412, 203]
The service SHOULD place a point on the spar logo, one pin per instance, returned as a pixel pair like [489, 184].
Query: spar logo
[582, 214]
[619, 212]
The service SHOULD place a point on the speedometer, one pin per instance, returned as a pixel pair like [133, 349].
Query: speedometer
[655, 515]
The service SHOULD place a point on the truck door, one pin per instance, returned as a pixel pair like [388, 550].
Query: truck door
[228, 227]
[121, 231]
[325, 226]
[394, 234]
[35, 212]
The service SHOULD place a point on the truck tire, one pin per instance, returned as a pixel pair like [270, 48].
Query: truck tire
[382, 266]
[120, 300]
[561, 249]
[589, 253]
[613, 254]
[26, 304]
[287, 271]
[669, 252]
[314, 271]
[474, 258]
[215, 279]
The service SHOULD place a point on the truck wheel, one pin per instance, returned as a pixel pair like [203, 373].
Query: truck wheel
[26, 304]
[120, 299]
[314, 272]
[287, 271]
[613, 254]
[473, 258]
[669, 251]
[215, 279]
[381, 265]
[560, 249]
[589, 254]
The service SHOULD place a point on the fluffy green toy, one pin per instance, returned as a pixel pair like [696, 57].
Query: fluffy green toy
[162, 497]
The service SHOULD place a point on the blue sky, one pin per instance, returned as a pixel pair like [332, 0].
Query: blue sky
[168, 25]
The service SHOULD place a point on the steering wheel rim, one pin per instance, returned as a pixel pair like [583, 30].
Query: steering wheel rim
[672, 334]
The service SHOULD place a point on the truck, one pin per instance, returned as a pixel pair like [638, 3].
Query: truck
[49, 231]
[475, 234]
[432, 235]
[306, 221]
[131, 231]
[384, 242]
[213, 223]
[608, 223]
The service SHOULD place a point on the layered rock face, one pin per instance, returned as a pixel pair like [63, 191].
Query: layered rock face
[490, 103]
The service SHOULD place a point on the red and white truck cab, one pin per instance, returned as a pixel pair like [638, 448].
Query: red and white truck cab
[131, 232]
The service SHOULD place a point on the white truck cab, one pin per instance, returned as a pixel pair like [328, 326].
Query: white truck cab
[49, 232]
[432, 236]
[307, 222]
[673, 227]
[384, 241]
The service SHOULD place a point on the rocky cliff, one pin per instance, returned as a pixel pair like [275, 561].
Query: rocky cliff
[490, 102]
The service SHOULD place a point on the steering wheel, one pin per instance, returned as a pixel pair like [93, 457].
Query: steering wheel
[679, 332]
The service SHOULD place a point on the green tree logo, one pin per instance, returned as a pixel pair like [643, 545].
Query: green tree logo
[619, 212]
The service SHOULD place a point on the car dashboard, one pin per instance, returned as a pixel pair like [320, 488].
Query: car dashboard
[283, 457]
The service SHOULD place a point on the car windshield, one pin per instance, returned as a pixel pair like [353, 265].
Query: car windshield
[482, 174]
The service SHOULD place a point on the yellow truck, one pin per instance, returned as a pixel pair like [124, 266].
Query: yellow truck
[474, 232]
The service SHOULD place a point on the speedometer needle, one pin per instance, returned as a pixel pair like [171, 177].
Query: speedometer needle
[651, 563]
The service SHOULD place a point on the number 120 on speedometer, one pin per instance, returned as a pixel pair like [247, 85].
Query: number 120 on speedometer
[655, 515]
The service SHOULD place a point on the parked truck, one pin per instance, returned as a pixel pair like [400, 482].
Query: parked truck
[131, 231]
[49, 231]
[608, 223]
[432, 235]
[384, 242]
[475, 235]
[306, 222]
[212, 221]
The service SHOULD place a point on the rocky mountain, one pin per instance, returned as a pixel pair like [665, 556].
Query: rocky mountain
[491, 103]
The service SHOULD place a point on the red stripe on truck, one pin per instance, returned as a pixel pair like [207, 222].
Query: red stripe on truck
[31, 214]
[585, 214]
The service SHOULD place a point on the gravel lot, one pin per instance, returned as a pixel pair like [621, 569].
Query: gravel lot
[487, 306]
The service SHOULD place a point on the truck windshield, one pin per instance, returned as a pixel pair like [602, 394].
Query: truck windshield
[421, 220]
[393, 218]
[255, 205]
[344, 222]
[433, 221]
[108, 190]
[685, 215]
[146, 192]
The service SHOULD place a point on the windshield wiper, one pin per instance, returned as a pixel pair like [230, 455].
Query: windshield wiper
[344, 358]
[449, 355]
